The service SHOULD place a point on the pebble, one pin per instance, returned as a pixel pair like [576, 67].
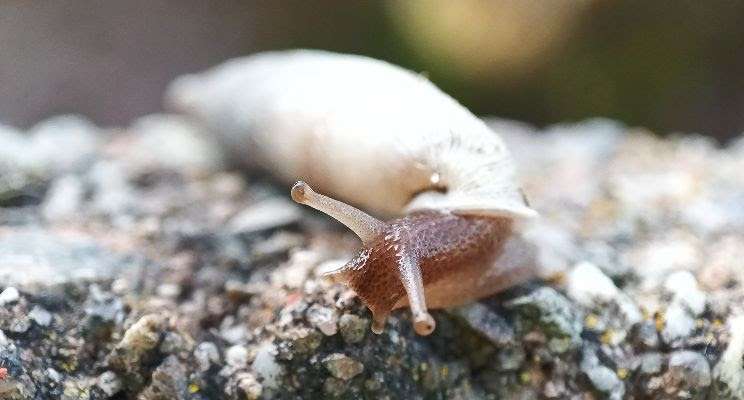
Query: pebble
[342, 366]
[41, 316]
[335, 387]
[587, 284]
[265, 365]
[651, 363]
[729, 369]
[9, 295]
[268, 214]
[249, 385]
[112, 194]
[138, 343]
[602, 378]
[323, 318]
[109, 383]
[688, 369]
[53, 375]
[353, 328]
[237, 356]
[206, 355]
[656, 260]
[172, 142]
[102, 312]
[510, 358]
[487, 322]
[64, 199]
[678, 323]
[646, 335]
[68, 143]
[169, 377]
[174, 343]
[554, 314]
[34, 259]
[684, 288]
[304, 341]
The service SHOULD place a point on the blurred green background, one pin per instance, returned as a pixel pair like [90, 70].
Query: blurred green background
[667, 65]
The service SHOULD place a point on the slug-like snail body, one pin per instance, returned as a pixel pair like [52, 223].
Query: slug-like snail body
[385, 139]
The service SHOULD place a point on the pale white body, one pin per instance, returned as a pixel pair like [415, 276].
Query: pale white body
[371, 133]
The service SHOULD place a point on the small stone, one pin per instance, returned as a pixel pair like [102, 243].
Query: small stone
[249, 385]
[33, 259]
[172, 142]
[268, 214]
[335, 387]
[602, 378]
[102, 312]
[76, 389]
[64, 199]
[237, 356]
[265, 365]
[678, 323]
[688, 369]
[234, 334]
[206, 354]
[109, 383]
[487, 322]
[684, 288]
[376, 382]
[174, 343]
[41, 316]
[646, 335]
[655, 260]
[303, 341]
[138, 344]
[353, 328]
[587, 284]
[553, 314]
[9, 295]
[20, 324]
[510, 358]
[68, 143]
[169, 381]
[169, 290]
[651, 363]
[342, 366]
[728, 371]
[323, 318]
[112, 195]
[53, 375]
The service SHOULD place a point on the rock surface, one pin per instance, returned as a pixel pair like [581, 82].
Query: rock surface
[133, 272]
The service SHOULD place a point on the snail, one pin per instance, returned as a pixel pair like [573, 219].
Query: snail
[387, 140]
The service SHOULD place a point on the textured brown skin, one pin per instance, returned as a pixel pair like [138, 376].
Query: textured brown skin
[454, 252]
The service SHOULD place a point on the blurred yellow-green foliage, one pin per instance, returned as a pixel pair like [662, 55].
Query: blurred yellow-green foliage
[667, 65]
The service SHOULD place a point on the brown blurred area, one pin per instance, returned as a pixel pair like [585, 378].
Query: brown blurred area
[671, 66]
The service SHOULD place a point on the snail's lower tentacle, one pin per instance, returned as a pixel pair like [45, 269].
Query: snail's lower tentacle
[413, 283]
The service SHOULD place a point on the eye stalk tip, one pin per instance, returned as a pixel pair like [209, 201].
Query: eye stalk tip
[300, 191]
[424, 324]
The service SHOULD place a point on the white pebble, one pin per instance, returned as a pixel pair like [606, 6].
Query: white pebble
[41, 316]
[679, 323]
[587, 284]
[729, 369]
[64, 198]
[237, 356]
[266, 366]
[683, 286]
[9, 295]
